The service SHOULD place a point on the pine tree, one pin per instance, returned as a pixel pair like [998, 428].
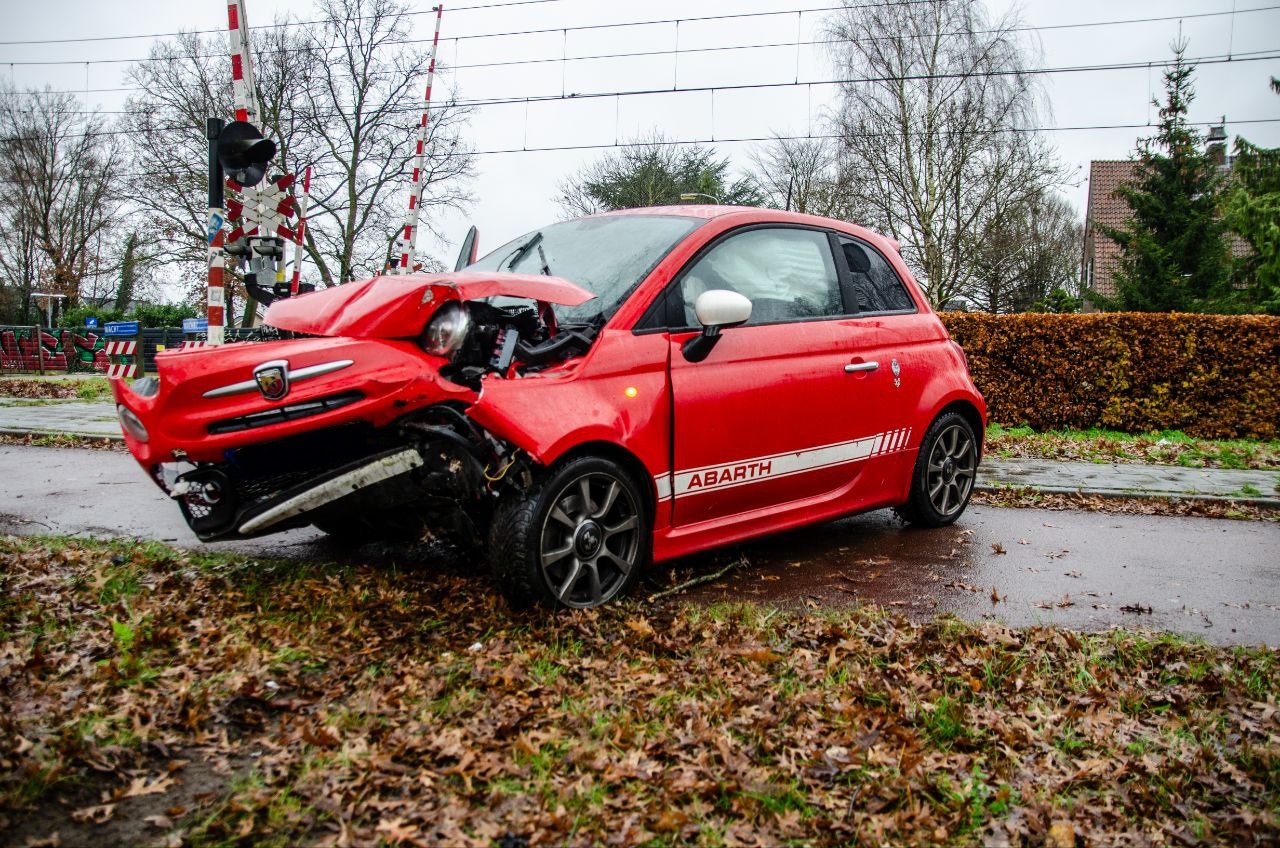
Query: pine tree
[1173, 248]
[1252, 210]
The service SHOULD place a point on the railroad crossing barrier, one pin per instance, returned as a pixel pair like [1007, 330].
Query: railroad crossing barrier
[120, 348]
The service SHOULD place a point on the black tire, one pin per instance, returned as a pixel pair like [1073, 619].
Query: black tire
[943, 478]
[586, 518]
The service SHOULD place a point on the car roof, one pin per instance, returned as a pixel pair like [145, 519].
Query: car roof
[684, 210]
[758, 215]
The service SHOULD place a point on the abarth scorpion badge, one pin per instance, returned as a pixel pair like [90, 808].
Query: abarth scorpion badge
[272, 379]
[897, 374]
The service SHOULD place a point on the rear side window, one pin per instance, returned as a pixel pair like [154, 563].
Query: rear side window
[876, 285]
[787, 274]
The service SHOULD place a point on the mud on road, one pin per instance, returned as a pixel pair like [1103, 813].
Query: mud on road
[1216, 579]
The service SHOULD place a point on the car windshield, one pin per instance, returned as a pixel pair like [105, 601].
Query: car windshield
[607, 255]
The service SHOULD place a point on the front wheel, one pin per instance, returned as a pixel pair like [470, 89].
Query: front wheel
[577, 539]
[942, 480]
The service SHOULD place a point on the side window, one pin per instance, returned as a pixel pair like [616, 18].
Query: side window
[787, 274]
[874, 282]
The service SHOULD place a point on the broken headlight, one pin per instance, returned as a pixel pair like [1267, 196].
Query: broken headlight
[447, 330]
[131, 424]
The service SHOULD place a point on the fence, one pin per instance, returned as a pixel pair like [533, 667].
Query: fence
[26, 349]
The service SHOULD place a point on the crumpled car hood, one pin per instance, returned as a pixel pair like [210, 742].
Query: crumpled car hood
[397, 307]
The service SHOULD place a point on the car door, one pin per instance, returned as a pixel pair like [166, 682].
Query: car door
[902, 333]
[787, 408]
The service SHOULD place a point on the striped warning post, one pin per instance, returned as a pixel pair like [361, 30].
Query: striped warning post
[117, 370]
[300, 232]
[192, 345]
[408, 241]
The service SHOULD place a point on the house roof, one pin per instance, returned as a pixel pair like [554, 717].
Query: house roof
[1105, 176]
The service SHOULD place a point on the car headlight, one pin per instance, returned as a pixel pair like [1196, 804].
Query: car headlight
[447, 330]
[131, 424]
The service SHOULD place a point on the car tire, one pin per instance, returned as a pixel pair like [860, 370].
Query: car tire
[943, 477]
[587, 517]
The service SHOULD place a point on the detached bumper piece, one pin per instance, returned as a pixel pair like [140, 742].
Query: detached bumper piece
[208, 498]
[316, 494]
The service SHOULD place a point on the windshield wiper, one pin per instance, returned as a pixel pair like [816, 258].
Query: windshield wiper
[522, 251]
[546, 266]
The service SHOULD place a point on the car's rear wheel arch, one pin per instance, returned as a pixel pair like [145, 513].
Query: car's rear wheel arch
[970, 414]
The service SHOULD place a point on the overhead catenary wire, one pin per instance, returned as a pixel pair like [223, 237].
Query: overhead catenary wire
[500, 34]
[654, 22]
[198, 174]
[596, 95]
[141, 35]
[724, 48]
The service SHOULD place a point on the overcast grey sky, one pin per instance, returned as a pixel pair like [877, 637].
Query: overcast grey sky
[514, 192]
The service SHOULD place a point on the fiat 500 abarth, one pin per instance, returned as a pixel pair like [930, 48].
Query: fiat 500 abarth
[599, 394]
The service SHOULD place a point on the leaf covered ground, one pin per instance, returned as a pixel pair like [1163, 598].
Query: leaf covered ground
[1026, 497]
[80, 388]
[1169, 447]
[152, 695]
[63, 440]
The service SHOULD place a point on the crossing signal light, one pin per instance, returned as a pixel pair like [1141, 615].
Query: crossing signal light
[244, 153]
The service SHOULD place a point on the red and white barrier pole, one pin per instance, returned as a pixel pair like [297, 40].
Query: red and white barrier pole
[409, 239]
[301, 232]
[242, 84]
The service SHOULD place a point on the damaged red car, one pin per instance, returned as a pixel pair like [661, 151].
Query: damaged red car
[592, 397]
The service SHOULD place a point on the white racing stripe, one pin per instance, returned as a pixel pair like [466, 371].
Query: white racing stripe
[712, 478]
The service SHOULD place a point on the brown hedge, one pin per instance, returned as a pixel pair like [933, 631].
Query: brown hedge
[1212, 376]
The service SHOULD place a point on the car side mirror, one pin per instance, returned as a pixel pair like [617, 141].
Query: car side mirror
[717, 309]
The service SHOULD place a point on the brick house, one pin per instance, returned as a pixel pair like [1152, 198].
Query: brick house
[1101, 254]
[1105, 207]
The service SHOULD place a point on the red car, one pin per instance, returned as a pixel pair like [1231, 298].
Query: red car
[711, 374]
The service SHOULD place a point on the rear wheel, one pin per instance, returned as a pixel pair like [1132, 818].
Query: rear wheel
[578, 539]
[944, 473]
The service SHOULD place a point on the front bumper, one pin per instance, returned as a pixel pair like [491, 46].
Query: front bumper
[208, 404]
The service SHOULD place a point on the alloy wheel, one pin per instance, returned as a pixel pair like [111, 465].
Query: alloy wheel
[590, 540]
[950, 473]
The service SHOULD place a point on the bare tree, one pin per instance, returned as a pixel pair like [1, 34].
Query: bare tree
[932, 125]
[800, 175]
[1025, 254]
[22, 263]
[58, 168]
[341, 96]
[362, 109]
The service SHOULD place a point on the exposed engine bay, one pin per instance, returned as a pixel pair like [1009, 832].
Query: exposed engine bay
[480, 338]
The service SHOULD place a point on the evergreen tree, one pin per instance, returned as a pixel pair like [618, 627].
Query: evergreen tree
[1252, 210]
[654, 172]
[1173, 248]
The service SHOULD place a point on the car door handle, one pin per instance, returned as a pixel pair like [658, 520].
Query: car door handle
[855, 367]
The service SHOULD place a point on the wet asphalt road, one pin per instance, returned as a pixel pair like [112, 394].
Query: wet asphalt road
[1213, 578]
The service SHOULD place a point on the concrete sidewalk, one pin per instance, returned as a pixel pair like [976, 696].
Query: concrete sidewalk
[1123, 479]
[19, 417]
[98, 420]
